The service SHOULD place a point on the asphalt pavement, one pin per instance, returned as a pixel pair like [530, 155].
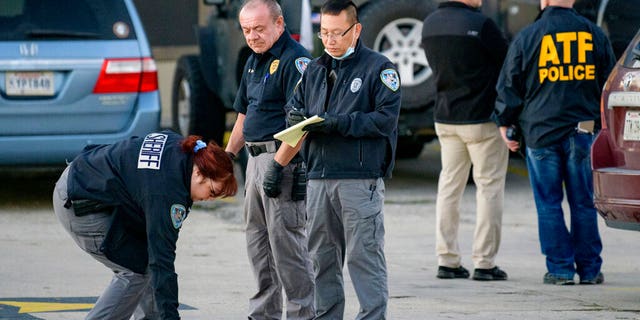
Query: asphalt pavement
[45, 276]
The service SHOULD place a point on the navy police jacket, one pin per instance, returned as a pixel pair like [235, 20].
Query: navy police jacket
[267, 84]
[147, 181]
[553, 76]
[366, 99]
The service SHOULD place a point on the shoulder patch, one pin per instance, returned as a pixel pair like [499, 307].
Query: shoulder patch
[150, 156]
[301, 64]
[274, 66]
[178, 214]
[390, 79]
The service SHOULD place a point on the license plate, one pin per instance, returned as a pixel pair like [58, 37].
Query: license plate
[29, 83]
[632, 126]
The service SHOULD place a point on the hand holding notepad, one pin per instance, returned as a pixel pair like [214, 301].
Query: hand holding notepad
[293, 134]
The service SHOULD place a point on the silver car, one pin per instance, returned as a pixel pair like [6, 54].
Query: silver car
[72, 77]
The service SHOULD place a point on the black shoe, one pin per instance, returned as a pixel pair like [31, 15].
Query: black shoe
[597, 280]
[494, 273]
[553, 279]
[452, 273]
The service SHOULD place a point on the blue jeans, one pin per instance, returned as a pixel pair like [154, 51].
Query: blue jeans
[576, 249]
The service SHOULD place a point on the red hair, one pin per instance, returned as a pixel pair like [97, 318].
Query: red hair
[214, 163]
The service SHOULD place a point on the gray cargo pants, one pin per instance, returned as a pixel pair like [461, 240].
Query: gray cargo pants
[346, 217]
[129, 293]
[277, 246]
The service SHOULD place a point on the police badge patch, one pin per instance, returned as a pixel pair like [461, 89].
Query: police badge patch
[390, 79]
[356, 84]
[301, 64]
[274, 66]
[178, 214]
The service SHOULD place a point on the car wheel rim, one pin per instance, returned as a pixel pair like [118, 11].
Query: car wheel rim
[400, 41]
[184, 107]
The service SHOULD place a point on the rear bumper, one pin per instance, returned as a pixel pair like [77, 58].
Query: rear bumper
[619, 208]
[56, 150]
[616, 188]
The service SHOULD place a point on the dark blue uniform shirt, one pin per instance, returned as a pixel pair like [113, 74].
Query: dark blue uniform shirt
[268, 81]
[147, 181]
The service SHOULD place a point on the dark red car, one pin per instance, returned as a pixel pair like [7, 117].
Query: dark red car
[615, 153]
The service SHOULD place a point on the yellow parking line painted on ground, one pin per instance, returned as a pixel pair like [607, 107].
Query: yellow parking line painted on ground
[35, 307]
[227, 200]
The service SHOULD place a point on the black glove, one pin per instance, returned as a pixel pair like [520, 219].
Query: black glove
[272, 180]
[329, 124]
[295, 116]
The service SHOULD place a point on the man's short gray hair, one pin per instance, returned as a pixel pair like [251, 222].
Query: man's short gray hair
[272, 5]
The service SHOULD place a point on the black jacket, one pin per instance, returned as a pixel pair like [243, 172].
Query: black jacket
[366, 99]
[147, 181]
[465, 50]
[553, 76]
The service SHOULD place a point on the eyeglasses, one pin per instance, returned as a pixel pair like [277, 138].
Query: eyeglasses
[337, 36]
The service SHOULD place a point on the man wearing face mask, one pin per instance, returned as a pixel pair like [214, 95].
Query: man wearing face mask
[357, 92]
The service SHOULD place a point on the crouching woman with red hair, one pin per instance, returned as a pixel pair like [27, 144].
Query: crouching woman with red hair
[124, 204]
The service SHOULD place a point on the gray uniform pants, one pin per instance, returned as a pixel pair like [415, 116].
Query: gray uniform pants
[346, 218]
[277, 246]
[129, 293]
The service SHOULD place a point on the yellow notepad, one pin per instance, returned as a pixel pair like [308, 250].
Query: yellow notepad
[293, 134]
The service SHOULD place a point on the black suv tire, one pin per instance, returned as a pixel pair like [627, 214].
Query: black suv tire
[194, 108]
[406, 16]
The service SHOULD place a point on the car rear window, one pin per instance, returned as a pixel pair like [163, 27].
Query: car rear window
[79, 19]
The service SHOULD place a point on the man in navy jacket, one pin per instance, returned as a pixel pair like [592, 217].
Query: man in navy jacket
[357, 93]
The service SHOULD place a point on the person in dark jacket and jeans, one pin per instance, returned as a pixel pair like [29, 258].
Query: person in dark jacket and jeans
[357, 92]
[465, 97]
[550, 87]
[124, 204]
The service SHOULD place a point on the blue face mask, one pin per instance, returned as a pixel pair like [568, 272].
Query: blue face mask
[347, 53]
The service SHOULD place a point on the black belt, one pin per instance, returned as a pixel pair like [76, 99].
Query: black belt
[262, 147]
[84, 207]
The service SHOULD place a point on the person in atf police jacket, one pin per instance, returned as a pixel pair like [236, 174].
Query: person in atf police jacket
[357, 93]
[124, 204]
[550, 87]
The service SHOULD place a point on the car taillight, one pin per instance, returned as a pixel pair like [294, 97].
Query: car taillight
[127, 75]
[295, 36]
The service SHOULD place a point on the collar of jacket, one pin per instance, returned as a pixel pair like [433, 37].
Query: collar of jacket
[325, 59]
[553, 9]
[456, 4]
[278, 48]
